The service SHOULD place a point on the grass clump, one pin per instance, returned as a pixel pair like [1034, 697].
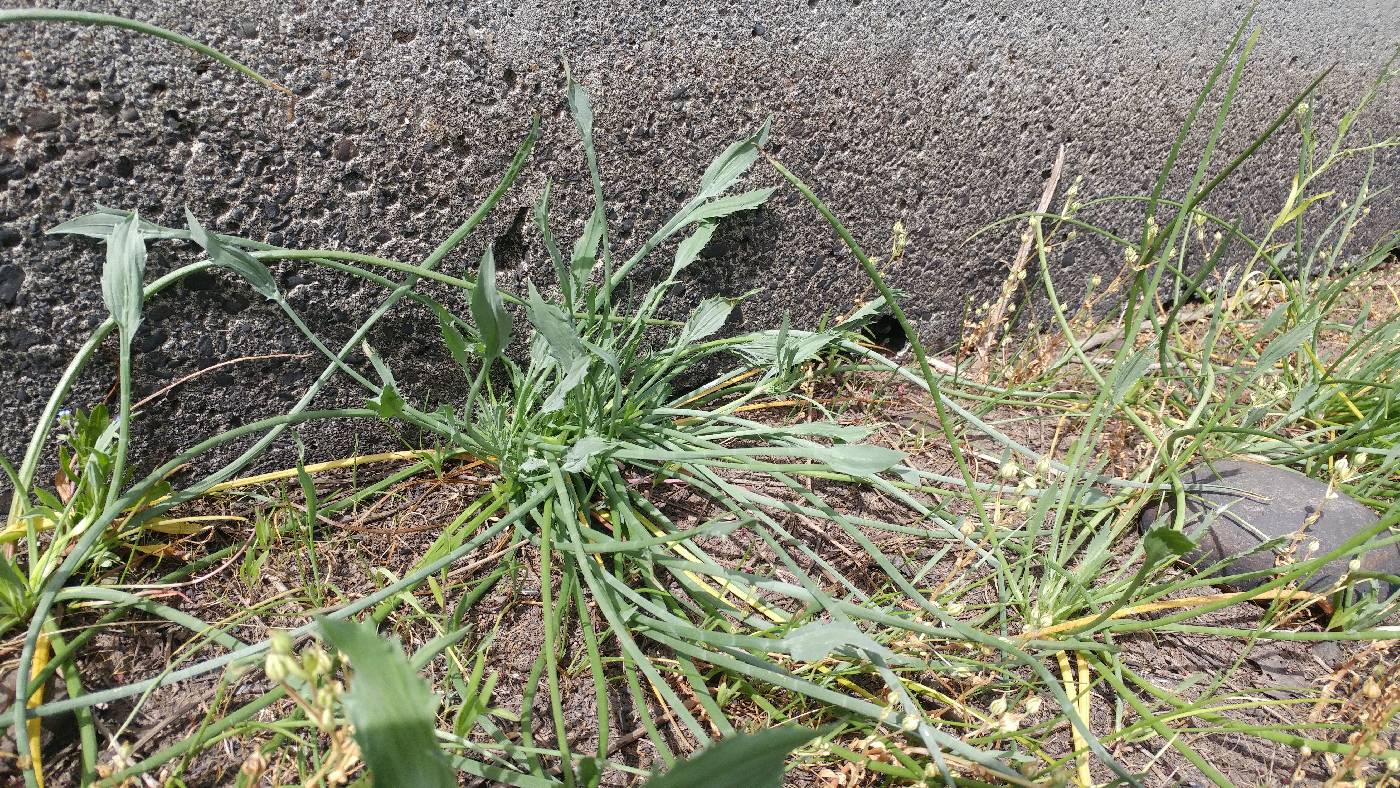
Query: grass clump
[757, 550]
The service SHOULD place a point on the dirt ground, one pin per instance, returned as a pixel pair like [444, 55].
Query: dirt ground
[357, 550]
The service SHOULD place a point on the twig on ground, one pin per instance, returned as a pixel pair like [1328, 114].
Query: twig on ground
[988, 333]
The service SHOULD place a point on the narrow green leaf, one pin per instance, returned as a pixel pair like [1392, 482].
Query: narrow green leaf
[1273, 322]
[11, 15]
[581, 108]
[867, 310]
[586, 251]
[734, 203]
[386, 375]
[782, 355]
[123, 275]
[234, 259]
[744, 760]
[547, 238]
[1130, 373]
[848, 433]
[731, 164]
[689, 249]
[391, 707]
[489, 312]
[1300, 208]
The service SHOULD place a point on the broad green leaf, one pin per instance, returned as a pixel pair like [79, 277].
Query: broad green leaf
[861, 459]
[123, 275]
[555, 326]
[707, 318]
[234, 259]
[867, 310]
[607, 356]
[489, 312]
[1164, 542]
[581, 107]
[1127, 375]
[586, 251]
[587, 447]
[781, 353]
[813, 642]
[849, 433]
[1284, 345]
[1273, 322]
[1298, 209]
[101, 223]
[744, 760]
[391, 707]
[388, 404]
[906, 474]
[456, 343]
[732, 163]
[569, 382]
[724, 206]
[690, 248]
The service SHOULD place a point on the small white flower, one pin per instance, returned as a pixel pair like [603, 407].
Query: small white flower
[1342, 468]
[997, 707]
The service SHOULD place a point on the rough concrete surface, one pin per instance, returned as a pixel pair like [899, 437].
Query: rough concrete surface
[944, 114]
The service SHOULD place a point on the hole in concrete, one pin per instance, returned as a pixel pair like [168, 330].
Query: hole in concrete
[886, 332]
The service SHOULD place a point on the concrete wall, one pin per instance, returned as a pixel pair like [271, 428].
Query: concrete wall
[943, 114]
